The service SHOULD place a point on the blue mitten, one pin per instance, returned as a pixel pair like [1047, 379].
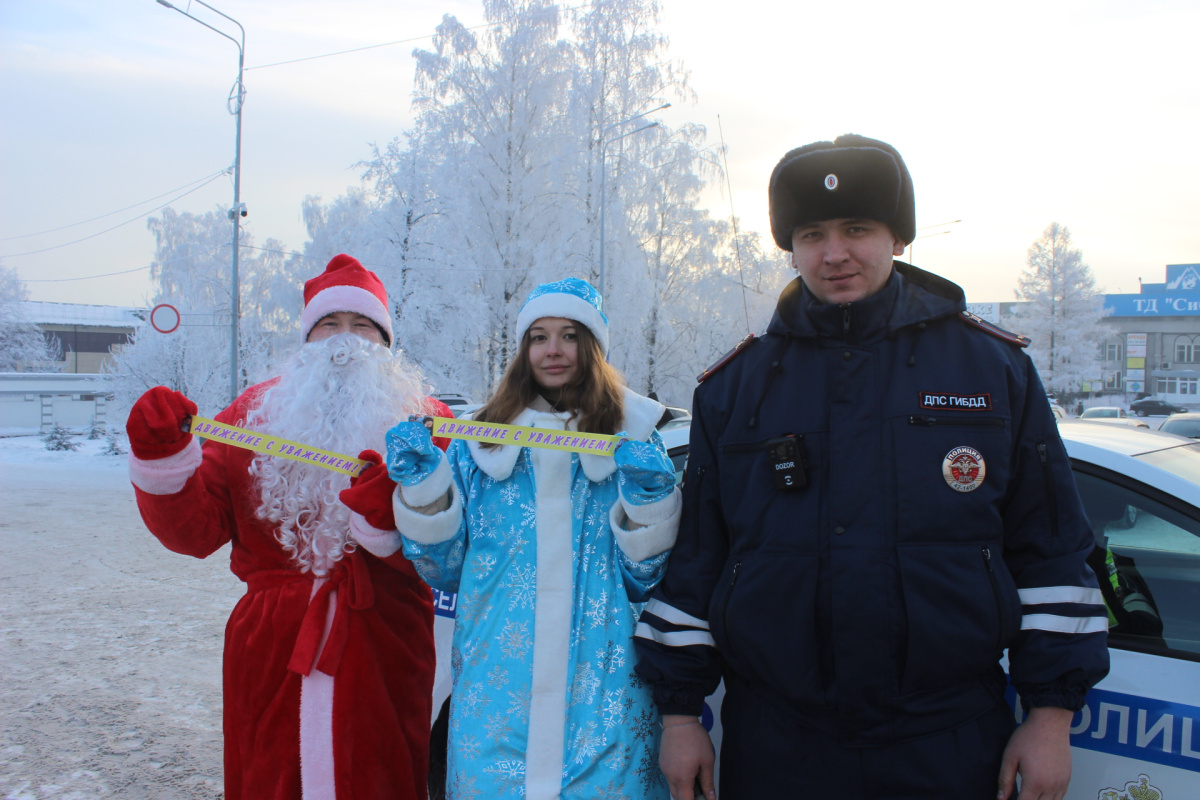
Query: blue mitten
[644, 473]
[411, 454]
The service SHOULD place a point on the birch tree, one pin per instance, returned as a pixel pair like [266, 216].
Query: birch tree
[1063, 312]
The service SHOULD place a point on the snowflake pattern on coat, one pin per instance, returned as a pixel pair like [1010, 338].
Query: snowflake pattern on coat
[491, 561]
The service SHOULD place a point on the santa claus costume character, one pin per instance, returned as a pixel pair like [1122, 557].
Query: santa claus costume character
[329, 656]
[552, 554]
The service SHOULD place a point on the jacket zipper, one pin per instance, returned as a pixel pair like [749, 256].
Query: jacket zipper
[696, 494]
[1048, 480]
[987, 562]
[928, 422]
[725, 607]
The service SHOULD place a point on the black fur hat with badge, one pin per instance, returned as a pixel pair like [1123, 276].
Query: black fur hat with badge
[850, 177]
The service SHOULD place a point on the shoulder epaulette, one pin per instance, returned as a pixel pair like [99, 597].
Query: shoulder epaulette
[715, 367]
[995, 330]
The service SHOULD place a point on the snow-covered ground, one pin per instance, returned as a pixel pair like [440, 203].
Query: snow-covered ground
[110, 645]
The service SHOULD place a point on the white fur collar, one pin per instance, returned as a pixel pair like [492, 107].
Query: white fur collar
[641, 415]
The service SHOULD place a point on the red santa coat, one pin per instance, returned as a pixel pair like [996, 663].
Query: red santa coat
[370, 621]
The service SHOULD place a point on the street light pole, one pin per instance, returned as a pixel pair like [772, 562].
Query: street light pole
[926, 236]
[237, 96]
[603, 154]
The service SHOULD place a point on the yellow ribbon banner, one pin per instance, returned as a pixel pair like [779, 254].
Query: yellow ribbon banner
[495, 433]
[274, 446]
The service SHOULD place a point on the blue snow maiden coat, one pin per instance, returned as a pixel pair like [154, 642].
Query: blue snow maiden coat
[551, 577]
[932, 521]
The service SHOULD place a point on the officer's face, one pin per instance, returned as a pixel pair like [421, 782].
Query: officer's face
[844, 260]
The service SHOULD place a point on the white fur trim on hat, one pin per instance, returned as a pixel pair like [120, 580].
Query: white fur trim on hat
[346, 298]
[566, 306]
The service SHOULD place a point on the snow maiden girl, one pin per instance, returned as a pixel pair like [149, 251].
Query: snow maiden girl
[551, 553]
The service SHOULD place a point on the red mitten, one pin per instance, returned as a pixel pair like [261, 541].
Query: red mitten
[155, 424]
[370, 493]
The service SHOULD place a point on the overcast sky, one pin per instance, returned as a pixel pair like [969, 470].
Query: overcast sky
[1010, 117]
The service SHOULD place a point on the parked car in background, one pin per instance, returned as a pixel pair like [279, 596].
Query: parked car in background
[1059, 411]
[1154, 405]
[452, 400]
[1186, 424]
[1112, 415]
[1139, 734]
[465, 410]
[675, 437]
[1103, 412]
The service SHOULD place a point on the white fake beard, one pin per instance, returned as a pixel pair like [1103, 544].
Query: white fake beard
[341, 394]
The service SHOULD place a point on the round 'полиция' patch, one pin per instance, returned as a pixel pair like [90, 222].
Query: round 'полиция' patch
[964, 469]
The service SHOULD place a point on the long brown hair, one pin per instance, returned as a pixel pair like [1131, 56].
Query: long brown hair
[594, 397]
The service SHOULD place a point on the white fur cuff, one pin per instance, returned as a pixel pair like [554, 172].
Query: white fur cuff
[378, 543]
[643, 543]
[656, 512]
[168, 475]
[428, 528]
[431, 489]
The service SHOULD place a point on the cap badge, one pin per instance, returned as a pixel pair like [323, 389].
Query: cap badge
[831, 181]
[964, 469]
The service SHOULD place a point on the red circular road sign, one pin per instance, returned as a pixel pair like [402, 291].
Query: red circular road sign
[164, 311]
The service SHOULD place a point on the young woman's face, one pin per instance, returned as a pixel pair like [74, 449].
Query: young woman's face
[553, 352]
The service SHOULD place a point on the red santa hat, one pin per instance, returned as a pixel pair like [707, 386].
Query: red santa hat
[346, 285]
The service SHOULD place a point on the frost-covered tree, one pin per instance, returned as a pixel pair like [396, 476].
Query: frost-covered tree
[191, 271]
[23, 346]
[497, 187]
[1063, 312]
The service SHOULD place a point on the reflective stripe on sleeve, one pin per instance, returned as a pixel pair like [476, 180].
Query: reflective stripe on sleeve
[1057, 624]
[673, 615]
[1060, 594]
[674, 638]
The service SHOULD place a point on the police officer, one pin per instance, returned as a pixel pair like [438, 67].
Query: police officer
[877, 503]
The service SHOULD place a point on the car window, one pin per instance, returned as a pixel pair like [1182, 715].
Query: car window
[1182, 427]
[1147, 559]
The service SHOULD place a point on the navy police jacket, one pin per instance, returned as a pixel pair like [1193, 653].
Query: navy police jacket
[877, 503]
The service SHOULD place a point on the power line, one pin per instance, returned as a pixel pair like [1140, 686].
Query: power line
[398, 41]
[298, 254]
[86, 277]
[118, 211]
[122, 272]
[120, 224]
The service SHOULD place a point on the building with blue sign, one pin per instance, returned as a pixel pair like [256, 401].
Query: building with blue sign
[1156, 347]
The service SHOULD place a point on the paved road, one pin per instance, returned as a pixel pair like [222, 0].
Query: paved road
[110, 644]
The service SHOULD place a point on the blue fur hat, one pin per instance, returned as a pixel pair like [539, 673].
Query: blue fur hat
[570, 298]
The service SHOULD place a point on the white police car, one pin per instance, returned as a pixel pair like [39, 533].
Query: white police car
[1138, 738]
[1139, 735]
